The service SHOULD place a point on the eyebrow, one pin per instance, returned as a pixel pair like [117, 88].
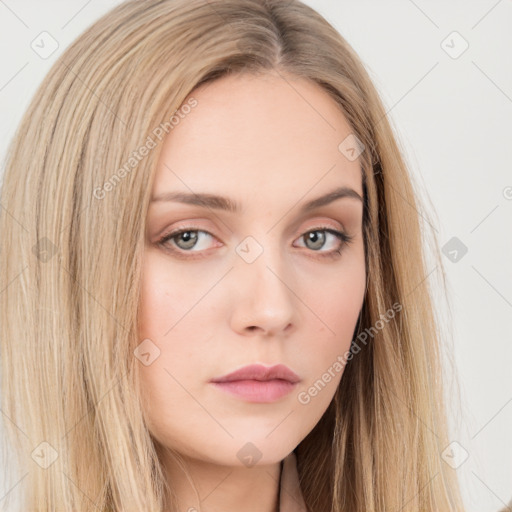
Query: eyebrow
[225, 203]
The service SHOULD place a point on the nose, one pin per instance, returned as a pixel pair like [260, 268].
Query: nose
[264, 302]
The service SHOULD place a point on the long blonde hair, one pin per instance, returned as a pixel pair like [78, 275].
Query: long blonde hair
[74, 200]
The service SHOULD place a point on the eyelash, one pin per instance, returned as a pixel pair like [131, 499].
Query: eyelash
[343, 237]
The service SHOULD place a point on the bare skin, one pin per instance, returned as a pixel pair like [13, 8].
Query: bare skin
[271, 145]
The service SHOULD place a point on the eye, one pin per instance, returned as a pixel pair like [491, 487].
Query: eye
[317, 237]
[186, 239]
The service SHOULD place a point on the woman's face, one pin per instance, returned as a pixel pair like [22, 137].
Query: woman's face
[264, 284]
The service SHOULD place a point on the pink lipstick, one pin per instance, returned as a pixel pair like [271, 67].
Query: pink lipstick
[257, 383]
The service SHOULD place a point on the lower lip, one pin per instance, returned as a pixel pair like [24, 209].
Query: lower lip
[257, 391]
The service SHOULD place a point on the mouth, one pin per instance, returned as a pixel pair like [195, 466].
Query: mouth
[257, 383]
[260, 373]
[257, 391]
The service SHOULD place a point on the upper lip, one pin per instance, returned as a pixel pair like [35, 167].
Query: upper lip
[261, 373]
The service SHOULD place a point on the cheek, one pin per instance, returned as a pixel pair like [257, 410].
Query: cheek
[175, 322]
[339, 302]
[156, 299]
[167, 319]
[337, 306]
[165, 297]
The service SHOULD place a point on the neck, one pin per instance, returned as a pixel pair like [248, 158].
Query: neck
[228, 488]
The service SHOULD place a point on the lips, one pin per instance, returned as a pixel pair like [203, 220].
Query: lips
[258, 372]
[257, 383]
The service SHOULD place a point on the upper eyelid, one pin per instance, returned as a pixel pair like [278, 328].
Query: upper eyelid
[319, 224]
[166, 237]
[179, 230]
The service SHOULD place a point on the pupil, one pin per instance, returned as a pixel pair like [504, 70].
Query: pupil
[314, 237]
[188, 238]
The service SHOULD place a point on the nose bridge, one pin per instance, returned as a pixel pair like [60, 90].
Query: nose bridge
[264, 297]
[261, 259]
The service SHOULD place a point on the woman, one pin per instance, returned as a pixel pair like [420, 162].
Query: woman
[195, 169]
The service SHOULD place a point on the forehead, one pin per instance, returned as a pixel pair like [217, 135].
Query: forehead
[255, 137]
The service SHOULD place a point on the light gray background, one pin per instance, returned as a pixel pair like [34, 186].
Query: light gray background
[452, 114]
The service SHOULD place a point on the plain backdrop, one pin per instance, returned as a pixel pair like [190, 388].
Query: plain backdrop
[444, 72]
